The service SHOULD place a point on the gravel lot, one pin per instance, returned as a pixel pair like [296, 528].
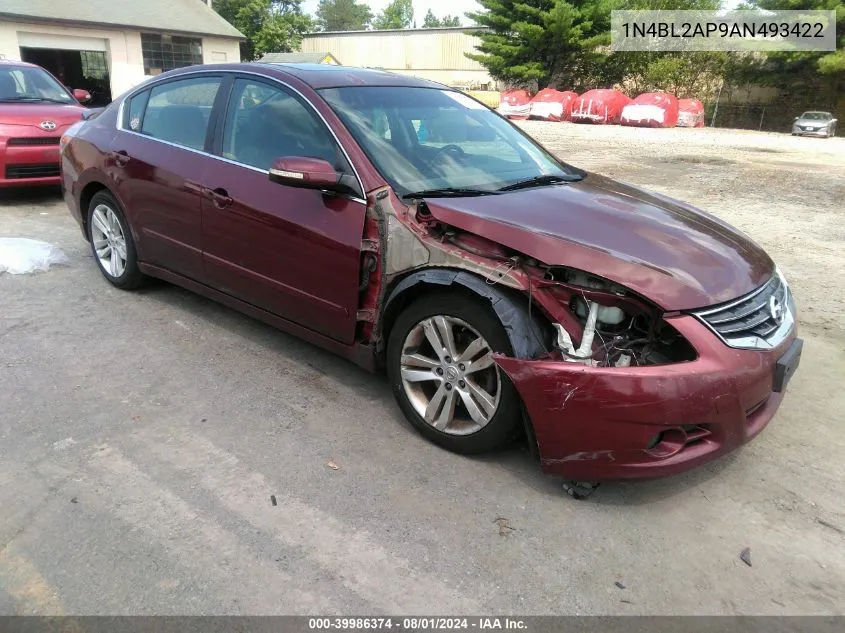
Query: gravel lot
[143, 434]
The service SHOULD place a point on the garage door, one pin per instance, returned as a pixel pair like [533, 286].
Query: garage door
[65, 42]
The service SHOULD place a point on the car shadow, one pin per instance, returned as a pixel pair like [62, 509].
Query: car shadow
[275, 341]
[517, 460]
[26, 196]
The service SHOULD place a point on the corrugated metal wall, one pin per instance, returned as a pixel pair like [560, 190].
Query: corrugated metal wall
[436, 54]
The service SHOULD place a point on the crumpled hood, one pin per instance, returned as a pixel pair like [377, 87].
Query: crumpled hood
[667, 251]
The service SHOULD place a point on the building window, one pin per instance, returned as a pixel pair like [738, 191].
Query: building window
[166, 52]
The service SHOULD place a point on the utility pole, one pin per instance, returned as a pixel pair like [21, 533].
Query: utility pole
[716, 109]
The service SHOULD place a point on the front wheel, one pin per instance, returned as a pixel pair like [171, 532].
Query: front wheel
[441, 369]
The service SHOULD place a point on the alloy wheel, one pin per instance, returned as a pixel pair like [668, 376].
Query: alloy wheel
[109, 240]
[449, 376]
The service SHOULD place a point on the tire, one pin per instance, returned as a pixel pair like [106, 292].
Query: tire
[107, 226]
[468, 317]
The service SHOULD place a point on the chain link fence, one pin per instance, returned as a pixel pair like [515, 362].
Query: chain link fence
[771, 117]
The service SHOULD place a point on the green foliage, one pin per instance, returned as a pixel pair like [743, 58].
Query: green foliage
[343, 15]
[815, 77]
[432, 21]
[686, 74]
[270, 26]
[544, 41]
[397, 15]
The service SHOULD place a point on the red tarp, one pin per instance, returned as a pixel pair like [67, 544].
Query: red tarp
[652, 109]
[599, 106]
[691, 113]
[515, 104]
[552, 105]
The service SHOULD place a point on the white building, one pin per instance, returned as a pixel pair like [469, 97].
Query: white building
[108, 46]
[437, 54]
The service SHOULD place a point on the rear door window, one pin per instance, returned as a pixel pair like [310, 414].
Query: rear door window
[179, 111]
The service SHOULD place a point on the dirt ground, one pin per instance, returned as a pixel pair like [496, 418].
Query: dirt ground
[143, 434]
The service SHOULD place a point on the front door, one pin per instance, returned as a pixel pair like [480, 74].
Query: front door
[294, 252]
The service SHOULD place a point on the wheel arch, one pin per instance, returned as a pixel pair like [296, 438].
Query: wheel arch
[85, 196]
[528, 335]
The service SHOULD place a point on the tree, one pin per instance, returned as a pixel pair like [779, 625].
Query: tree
[818, 77]
[544, 41]
[397, 15]
[270, 26]
[432, 21]
[686, 74]
[343, 15]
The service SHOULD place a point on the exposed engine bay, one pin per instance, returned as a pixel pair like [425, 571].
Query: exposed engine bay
[589, 320]
[618, 329]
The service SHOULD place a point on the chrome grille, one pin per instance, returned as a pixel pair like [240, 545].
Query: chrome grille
[761, 318]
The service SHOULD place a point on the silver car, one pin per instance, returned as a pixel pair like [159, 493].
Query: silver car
[814, 124]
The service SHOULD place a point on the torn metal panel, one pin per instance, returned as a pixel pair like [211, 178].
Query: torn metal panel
[404, 249]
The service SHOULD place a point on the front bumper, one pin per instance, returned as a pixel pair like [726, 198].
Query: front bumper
[594, 424]
[797, 131]
[29, 165]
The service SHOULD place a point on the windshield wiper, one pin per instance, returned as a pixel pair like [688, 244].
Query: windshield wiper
[445, 192]
[35, 99]
[537, 181]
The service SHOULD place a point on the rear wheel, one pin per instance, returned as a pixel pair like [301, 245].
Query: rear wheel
[441, 369]
[111, 242]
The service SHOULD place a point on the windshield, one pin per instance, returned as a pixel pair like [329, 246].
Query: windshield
[425, 140]
[815, 116]
[28, 84]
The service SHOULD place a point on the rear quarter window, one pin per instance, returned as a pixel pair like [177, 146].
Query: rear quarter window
[135, 112]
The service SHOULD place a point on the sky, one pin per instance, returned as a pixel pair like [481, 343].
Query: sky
[438, 7]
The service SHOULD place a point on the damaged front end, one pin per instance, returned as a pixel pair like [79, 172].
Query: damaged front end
[614, 386]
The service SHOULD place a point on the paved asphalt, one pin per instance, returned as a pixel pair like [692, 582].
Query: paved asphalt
[143, 435]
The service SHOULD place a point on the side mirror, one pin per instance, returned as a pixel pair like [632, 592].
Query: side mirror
[309, 173]
[795, 119]
[83, 96]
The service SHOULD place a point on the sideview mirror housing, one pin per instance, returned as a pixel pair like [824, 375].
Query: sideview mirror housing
[309, 173]
[795, 119]
[83, 96]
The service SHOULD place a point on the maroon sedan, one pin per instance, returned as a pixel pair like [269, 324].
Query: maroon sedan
[406, 226]
[35, 110]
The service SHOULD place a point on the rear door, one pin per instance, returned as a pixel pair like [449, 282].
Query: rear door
[161, 157]
[294, 252]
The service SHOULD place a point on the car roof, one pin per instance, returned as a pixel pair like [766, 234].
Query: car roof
[330, 76]
[15, 63]
[816, 112]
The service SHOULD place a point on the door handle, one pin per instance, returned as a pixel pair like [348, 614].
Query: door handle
[121, 157]
[219, 197]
